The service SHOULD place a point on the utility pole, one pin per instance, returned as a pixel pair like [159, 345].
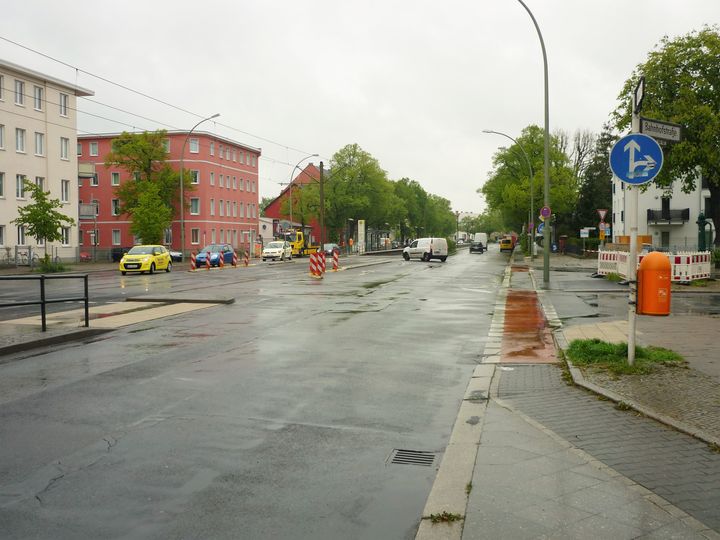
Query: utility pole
[322, 206]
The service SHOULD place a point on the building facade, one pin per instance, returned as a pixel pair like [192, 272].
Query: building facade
[666, 216]
[222, 206]
[38, 130]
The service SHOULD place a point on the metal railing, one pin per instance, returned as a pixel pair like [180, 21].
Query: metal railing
[44, 301]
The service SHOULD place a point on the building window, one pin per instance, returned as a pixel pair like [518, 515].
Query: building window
[234, 209]
[40, 182]
[21, 235]
[622, 216]
[212, 207]
[220, 151]
[115, 179]
[166, 145]
[19, 92]
[247, 185]
[212, 236]
[241, 156]
[221, 208]
[195, 236]
[212, 178]
[2, 185]
[242, 185]
[194, 146]
[212, 148]
[65, 191]
[94, 180]
[20, 186]
[2, 229]
[64, 104]
[64, 147]
[254, 161]
[195, 206]
[221, 181]
[168, 236]
[65, 239]
[247, 159]
[19, 140]
[93, 148]
[227, 153]
[2, 137]
[234, 182]
[115, 207]
[194, 177]
[79, 148]
[227, 208]
[116, 237]
[234, 154]
[242, 210]
[222, 236]
[39, 144]
[38, 98]
[253, 186]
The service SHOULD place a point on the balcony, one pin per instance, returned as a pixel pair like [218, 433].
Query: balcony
[668, 217]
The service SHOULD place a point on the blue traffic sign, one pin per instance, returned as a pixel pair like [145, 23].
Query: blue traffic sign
[636, 159]
[541, 228]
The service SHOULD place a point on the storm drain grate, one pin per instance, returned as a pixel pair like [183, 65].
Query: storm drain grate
[412, 457]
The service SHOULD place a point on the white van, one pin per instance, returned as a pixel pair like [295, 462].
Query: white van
[426, 249]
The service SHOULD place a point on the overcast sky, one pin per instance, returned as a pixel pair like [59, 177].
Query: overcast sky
[413, 82]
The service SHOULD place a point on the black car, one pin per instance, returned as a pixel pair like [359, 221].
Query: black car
[476, 247]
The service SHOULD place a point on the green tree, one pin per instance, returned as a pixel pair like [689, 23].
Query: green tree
[41, 218]
[595, 189]
[151, 216]
[143, 156]
[682, 78]
[507, 190]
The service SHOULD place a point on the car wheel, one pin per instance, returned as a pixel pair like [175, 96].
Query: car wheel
[406, 256]
[425, 257]
[282, 257]
[152, 268]
[442, 259]
[264, 259]
[169, 267]
[123, 272]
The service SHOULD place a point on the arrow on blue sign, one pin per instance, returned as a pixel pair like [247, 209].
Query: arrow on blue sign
[636, 159]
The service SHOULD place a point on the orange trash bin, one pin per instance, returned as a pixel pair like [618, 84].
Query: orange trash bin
[653, 278]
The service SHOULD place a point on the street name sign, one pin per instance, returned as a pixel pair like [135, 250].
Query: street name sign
[636, 159]
[661, 130]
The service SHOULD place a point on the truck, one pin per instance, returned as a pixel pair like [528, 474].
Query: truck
[480, 237]
[300, 242]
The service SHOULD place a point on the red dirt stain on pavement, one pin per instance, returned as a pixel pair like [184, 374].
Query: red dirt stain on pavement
[526, 338]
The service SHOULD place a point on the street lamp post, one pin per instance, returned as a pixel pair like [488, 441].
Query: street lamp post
[290, 183]
[546, 170]
[182, 187]
[532, 200]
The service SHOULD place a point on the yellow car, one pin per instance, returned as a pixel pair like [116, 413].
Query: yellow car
[506, 244]
[146, 259]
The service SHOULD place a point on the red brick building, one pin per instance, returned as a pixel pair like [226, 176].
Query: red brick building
[309, 175]
[223, 204]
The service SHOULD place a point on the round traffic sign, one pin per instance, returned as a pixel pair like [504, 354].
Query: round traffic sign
[636, 159]
[545, 212]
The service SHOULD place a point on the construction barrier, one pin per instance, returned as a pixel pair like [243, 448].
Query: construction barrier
[246, 259]
[316, 265]
[685, 266]
[221, 261]
[322, 261]
[193, 264]
[207, 260]
[234, 262]
[336, 258]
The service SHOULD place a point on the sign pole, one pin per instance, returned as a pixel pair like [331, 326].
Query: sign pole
[632, 256]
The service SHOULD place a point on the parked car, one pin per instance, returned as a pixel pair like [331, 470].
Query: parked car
[277, 249]
[426, 249]
[216, 251]
[146, 258]
[506, 244]
[329, 248]
[176, 256]
[476, 246]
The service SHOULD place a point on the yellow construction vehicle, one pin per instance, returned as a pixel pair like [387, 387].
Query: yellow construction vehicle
[300, 242]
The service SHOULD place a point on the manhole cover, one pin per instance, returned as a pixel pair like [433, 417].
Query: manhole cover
[412, 457]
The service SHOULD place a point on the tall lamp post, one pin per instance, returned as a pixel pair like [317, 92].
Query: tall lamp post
[546, 170]
[532, 200]
[182, 187]
[290, 182]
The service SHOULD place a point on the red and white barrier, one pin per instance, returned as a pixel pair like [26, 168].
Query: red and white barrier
[193, 263]
[316, 265]
[234, 263]
[684, 266]
[207, 260]
[246, 258]
[336, 258]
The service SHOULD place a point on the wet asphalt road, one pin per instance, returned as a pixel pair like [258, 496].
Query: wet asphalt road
[273, 417]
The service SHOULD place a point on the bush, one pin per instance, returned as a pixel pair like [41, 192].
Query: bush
[49, 267]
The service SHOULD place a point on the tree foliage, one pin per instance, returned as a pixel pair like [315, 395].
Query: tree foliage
[682, 78]
[595, 191]
[509, 186]
[151, 216]
[41, 218]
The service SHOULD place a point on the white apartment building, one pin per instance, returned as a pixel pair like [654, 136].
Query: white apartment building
[669, 216]
[38, 140]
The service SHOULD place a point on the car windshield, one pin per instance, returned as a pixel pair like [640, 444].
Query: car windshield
[275, 245]
[141, 250]
[328, 247]
[212, 248]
